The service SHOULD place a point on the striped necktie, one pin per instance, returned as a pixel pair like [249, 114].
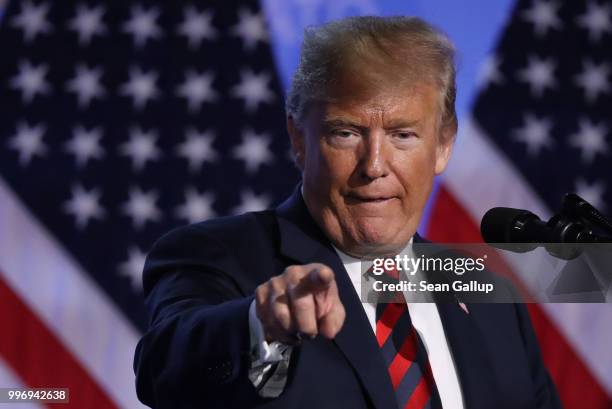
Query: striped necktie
[405, 356]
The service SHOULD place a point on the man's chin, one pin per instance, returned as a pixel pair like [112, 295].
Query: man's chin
[377, 244]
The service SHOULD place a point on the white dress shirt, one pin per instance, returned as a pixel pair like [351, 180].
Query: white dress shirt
[425, 319]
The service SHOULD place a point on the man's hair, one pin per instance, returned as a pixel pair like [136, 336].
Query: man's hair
[382, 51]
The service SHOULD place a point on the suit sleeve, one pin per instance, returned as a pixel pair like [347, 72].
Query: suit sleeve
[196, 352]
[546, 394]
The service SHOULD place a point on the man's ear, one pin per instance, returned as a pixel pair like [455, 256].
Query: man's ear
[446, 140]
[296, 137]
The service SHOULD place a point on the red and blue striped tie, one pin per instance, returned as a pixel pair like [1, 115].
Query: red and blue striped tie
[406, 357]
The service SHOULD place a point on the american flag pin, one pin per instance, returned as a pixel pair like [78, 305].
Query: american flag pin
[464, 307]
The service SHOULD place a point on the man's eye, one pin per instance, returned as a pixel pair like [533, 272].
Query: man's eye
[343, 133]
[405, 135]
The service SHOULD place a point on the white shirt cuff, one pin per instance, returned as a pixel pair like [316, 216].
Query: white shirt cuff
[266, 357]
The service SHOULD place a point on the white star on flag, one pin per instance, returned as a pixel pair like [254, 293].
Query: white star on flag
[489, 72]
[132, 267]
[253, 88]
[142, 25]
[32, 20]
[197, 148]
[254, 150]
[538, 74]
[543, 15]
[87, 22]
[251, 28]
[250, 202]
[594, 80]
[141, 147]
[197, 206]
[596, 20]
[30, 80]
[84, 205]
[86, 85]
[85, 145]
[535, 134]
[590, 139]
[196, 26]
[592, 192]
[196, 89]
[141, 207]
[141, 87]
[28, 141]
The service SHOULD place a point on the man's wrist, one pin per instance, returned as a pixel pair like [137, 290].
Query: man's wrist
[264, 351]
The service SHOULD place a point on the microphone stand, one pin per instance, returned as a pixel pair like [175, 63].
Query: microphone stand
[578, 223]
[580, 229]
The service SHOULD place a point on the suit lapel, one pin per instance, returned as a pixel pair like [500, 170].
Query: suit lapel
[465, 339]
[301, 240]
[467, 343]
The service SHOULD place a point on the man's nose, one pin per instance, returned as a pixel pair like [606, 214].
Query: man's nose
[374, 160]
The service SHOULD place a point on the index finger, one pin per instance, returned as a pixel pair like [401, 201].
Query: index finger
[319, 278]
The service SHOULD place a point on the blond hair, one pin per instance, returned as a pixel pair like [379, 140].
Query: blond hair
[382, 51]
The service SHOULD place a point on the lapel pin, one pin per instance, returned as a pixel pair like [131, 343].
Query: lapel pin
[464, 307]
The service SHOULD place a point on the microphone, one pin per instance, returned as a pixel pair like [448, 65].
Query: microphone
[508, 225]
[513, 229]
[567, 235]
[521, 231]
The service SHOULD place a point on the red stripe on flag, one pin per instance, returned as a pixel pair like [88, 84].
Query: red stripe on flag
[40, 359]
[449, 222]
[577, 387]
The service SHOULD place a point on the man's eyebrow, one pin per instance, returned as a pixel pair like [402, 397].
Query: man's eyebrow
[344, 123]
[402, 123]
[341, 122]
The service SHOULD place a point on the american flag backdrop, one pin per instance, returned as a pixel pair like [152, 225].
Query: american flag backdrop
[541, 127]
[121, 120]
[118, 122]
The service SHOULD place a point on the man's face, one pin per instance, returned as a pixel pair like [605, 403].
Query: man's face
[368, 160]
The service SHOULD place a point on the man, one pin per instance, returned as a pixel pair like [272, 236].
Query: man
[261, 310]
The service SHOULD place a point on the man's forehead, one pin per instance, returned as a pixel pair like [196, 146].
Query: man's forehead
[373, 92]
[387, 104]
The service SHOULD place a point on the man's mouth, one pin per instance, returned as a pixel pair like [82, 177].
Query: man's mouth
[357, 198]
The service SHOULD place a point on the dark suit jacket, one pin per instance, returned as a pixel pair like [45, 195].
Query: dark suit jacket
[199, 281]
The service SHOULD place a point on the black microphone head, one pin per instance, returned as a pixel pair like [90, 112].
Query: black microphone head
[499, 225]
